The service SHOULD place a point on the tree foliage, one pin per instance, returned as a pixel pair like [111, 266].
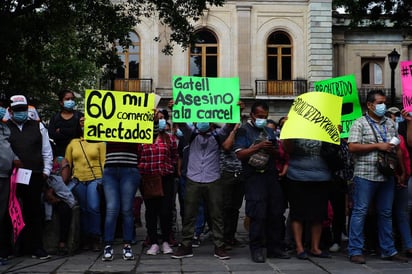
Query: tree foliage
[399, 12]
[47, 45]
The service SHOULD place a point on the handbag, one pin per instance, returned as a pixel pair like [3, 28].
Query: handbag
[151, 186]
[259, 160]
[387, 161]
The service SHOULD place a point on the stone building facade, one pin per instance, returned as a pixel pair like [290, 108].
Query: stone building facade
[278, 49]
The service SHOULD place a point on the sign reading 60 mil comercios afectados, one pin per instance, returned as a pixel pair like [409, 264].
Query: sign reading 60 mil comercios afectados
[119, 116]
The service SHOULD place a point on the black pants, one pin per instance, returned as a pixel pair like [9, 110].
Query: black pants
[5, 222]
[160, 208]
[233, 189]
[65, 218]
[30, 195]
[337, 199]
[265, 208]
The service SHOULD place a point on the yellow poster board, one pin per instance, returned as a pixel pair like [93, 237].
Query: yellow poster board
[315, 116]
[117, 116]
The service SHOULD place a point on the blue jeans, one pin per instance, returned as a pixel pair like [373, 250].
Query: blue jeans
[364, 192]
[89, 202]
[401, 215]
[120, 186]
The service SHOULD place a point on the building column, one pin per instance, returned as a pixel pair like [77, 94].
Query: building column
[320, 52]
[244, 48]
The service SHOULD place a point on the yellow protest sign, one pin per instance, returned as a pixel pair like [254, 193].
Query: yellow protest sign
[314, 115]
[119, 116]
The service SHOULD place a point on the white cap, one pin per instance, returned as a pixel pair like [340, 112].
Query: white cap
[18, 101]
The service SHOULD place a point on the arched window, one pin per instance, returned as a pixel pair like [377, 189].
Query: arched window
[204, 55]
[279, 56]
[372, 72]
[130, 58]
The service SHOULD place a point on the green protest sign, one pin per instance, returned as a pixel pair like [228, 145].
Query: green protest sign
[345, 87]
[202, 99]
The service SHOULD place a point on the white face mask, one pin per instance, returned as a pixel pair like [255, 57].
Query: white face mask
[380, 110]
[260, 123]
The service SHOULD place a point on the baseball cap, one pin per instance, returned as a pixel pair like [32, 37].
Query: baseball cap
[18, 102]
[393, 110]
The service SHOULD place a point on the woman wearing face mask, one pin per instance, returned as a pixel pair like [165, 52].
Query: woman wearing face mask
[159, 158]
[64, 125]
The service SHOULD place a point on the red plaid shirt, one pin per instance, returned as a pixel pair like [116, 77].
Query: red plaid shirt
[159, 157]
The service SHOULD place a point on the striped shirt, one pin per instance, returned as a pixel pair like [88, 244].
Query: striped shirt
[124, 154]
[121, 154]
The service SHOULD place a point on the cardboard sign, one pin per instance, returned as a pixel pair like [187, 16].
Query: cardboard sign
[406, 76]
[15, 213]
[345, 87]
[315, 116]
[201, 99]
[119, 116]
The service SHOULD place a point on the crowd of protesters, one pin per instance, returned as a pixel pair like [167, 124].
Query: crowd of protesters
[301, 196]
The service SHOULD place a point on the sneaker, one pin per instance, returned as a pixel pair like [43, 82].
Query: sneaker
[220, 253]
[127, 253]
[108, 253]
[40, 254]
[334, 248]
[166, 248]
[195, 241]
[183, 252]
[344, 237]
[397, 258]
[153, 250]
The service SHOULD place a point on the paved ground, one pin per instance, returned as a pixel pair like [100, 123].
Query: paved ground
[202, 262]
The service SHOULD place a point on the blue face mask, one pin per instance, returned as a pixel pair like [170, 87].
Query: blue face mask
[2, 112]
[179, 133]
[69, 104]
[162, 124]
[380, 110]
[20, 116]
[202, 127]
[260, 123]
[399, 119]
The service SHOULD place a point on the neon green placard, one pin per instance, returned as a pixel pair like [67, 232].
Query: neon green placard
[315, 116]
[345, 87]
[119, 116]
[203, 99]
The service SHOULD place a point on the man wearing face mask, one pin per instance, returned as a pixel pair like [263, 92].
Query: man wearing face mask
[202, 183]
[369, 182]
[64, 125]
[263, 193]
[30, 142]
